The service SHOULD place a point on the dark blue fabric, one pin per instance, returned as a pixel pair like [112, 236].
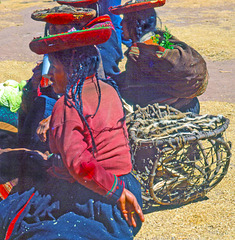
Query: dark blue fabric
[116, 19]
[8, 139]
[193, 106]
[111, 54]
[128, 42]
[49, 104]
[40, 109]
[70, 212]
[111, 51]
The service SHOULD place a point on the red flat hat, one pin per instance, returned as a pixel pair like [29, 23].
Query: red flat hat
[64, 15]
[136, 5]
[96, 33]
[101, 21]
[77, 3]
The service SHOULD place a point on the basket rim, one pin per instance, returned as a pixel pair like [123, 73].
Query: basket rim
[185, 138]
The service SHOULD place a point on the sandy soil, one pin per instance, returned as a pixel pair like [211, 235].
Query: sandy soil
[208, 26]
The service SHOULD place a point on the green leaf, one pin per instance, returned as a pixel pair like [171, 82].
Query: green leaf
[165, 42]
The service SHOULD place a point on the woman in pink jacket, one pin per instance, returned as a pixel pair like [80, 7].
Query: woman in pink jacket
[91, 192]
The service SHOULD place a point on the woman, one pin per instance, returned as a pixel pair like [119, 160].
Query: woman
[111, 51]
[90, 169]
[35, 115]
[160, 68]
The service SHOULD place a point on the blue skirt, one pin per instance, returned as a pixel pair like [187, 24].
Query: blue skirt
[67, 211]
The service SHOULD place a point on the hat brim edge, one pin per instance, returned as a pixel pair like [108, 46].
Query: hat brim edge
[63, 41]
[135, 7]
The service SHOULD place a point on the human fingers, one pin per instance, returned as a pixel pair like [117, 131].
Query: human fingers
[125, 214]
[132, 219]
[38, 131]
[122, 205]
[44, 135]
[138, 210]
[133, 208]
[42, 129]
[129, 207]
[41, 133]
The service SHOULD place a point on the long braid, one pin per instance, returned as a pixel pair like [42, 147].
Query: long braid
[79, 64]
[74, 88]
[99, 96]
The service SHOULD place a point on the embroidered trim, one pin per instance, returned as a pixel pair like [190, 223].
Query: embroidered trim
[110, 193]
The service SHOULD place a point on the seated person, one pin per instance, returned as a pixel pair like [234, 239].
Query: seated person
[173, 74]
[90, 186]
[111, 51]
[39, 108]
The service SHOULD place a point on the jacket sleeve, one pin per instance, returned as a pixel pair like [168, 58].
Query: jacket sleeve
[69, 140]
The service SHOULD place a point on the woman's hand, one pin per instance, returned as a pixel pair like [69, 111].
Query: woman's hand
[42, 129]
[129, 207]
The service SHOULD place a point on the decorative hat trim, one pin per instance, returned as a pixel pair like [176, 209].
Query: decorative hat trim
[63, 41]
[64, 17]
[77, 3]
[136, 5]
[102, 21]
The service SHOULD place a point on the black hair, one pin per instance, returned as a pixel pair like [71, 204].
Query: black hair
[141, 22]
[79, 63]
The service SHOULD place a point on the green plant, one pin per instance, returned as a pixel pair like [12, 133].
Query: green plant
[165, 41]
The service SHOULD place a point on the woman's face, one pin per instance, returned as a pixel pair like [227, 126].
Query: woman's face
[57, 75]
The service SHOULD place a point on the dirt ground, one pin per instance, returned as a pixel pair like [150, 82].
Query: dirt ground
[209, 27]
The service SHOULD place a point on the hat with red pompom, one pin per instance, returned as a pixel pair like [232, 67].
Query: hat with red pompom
[136, 5]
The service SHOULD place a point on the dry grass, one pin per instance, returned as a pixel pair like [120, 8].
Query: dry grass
[16, 70]
[208, 26]
[9, 11]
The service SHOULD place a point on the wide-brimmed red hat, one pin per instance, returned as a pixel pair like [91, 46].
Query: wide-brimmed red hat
[64, 15]
[135, 6]
[77, 3]
[96, 32]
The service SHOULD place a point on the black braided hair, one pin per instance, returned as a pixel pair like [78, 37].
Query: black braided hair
[80, 63]
[141, 22]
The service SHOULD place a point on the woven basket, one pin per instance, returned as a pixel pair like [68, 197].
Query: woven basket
[177, 157]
